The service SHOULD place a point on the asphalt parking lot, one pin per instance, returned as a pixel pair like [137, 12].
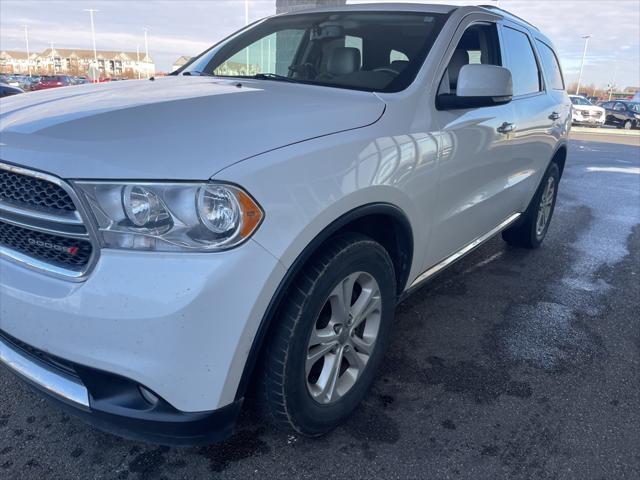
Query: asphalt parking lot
[512, 364]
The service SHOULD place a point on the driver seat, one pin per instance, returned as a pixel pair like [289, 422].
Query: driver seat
[341, 61]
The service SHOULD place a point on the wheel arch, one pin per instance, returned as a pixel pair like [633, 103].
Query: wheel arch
[383, 222]
[560, 157]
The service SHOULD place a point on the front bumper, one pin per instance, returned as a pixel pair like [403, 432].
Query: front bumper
[179, 325]
[115, 405]
[589, 120]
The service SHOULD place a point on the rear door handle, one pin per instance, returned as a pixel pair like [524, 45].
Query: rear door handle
[554, 116]
[506, 127]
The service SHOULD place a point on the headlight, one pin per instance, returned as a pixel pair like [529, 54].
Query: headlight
[637, 115]
[171, 216]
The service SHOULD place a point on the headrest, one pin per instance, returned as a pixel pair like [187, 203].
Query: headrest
[343, 61]
[399, 65]
[459, 59]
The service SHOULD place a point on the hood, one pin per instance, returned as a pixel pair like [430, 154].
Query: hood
[183, 128]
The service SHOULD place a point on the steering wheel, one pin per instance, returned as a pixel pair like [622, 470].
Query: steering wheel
[386, 70]
[307, 70]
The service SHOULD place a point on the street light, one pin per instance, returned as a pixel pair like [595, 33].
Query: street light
[146, 52]
[138, 60]
[584, 54]
[53, 59]
[93, 37]
[26, 38]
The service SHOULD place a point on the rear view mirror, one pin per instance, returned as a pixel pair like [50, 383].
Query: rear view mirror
[479, 86]
[325, 32]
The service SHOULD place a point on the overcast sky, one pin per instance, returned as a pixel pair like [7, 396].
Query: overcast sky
[189, 26]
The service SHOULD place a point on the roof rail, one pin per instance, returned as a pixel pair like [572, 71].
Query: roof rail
[493, 7]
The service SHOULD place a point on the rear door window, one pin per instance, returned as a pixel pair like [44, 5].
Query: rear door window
[522, 62]
[551, 66]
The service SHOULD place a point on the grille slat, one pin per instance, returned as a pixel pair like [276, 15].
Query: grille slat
[41, 225]
[71, 253]
[35, 193]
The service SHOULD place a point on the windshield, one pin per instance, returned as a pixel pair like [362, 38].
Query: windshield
[373, 51]
[580, 101]
[634, 107]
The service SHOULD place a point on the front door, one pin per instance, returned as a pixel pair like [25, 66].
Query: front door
[476, 156]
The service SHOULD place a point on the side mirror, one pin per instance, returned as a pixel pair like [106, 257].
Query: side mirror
[479, 86]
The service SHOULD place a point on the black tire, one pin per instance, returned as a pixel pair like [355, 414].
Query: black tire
[628, 125]
[283, 392]
[526, 233]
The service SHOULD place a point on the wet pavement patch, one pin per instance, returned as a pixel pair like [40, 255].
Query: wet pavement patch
[242, 445]
[148, 464]
[482, 384]
[372, 425]
[547, 336]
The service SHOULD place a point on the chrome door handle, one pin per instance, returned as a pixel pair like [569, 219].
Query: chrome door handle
[506, 127]
[554, 116]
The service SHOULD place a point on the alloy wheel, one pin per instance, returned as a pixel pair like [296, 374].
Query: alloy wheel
[546, 205]
[343, 337]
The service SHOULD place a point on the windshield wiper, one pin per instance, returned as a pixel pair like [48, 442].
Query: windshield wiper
[272, 76]
[197, 73]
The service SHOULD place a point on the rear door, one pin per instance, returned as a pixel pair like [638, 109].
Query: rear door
[620, 113]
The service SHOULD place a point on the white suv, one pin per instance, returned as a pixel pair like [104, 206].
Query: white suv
[253, 219]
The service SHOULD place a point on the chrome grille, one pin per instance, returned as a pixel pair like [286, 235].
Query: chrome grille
[72, 253]
[32, 192]
[41, 224]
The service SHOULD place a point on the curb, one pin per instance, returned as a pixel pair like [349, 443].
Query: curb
[604, 131]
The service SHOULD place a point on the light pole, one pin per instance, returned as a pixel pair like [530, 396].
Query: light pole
[584, 54]
[146, 52]
[53, 59]
[613, 84]
[93, 38]
[26, 38]
[138, 59]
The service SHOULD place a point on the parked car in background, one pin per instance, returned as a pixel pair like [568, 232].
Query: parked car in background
[80, 80]
[622, 113]
[7, 90]
[29, 82]
[583, 112]
[53, 81]
[14, 80]
[222, 230]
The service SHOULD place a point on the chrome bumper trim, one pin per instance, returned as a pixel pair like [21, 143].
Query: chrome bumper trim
[57, 384]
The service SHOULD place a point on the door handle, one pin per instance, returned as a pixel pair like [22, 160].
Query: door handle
[554, 116]
[506, 127]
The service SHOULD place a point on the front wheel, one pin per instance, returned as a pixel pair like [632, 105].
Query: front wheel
[530, 232]
[330, 337]
[628, 125]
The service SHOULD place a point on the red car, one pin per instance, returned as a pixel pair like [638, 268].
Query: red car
[53, 81]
